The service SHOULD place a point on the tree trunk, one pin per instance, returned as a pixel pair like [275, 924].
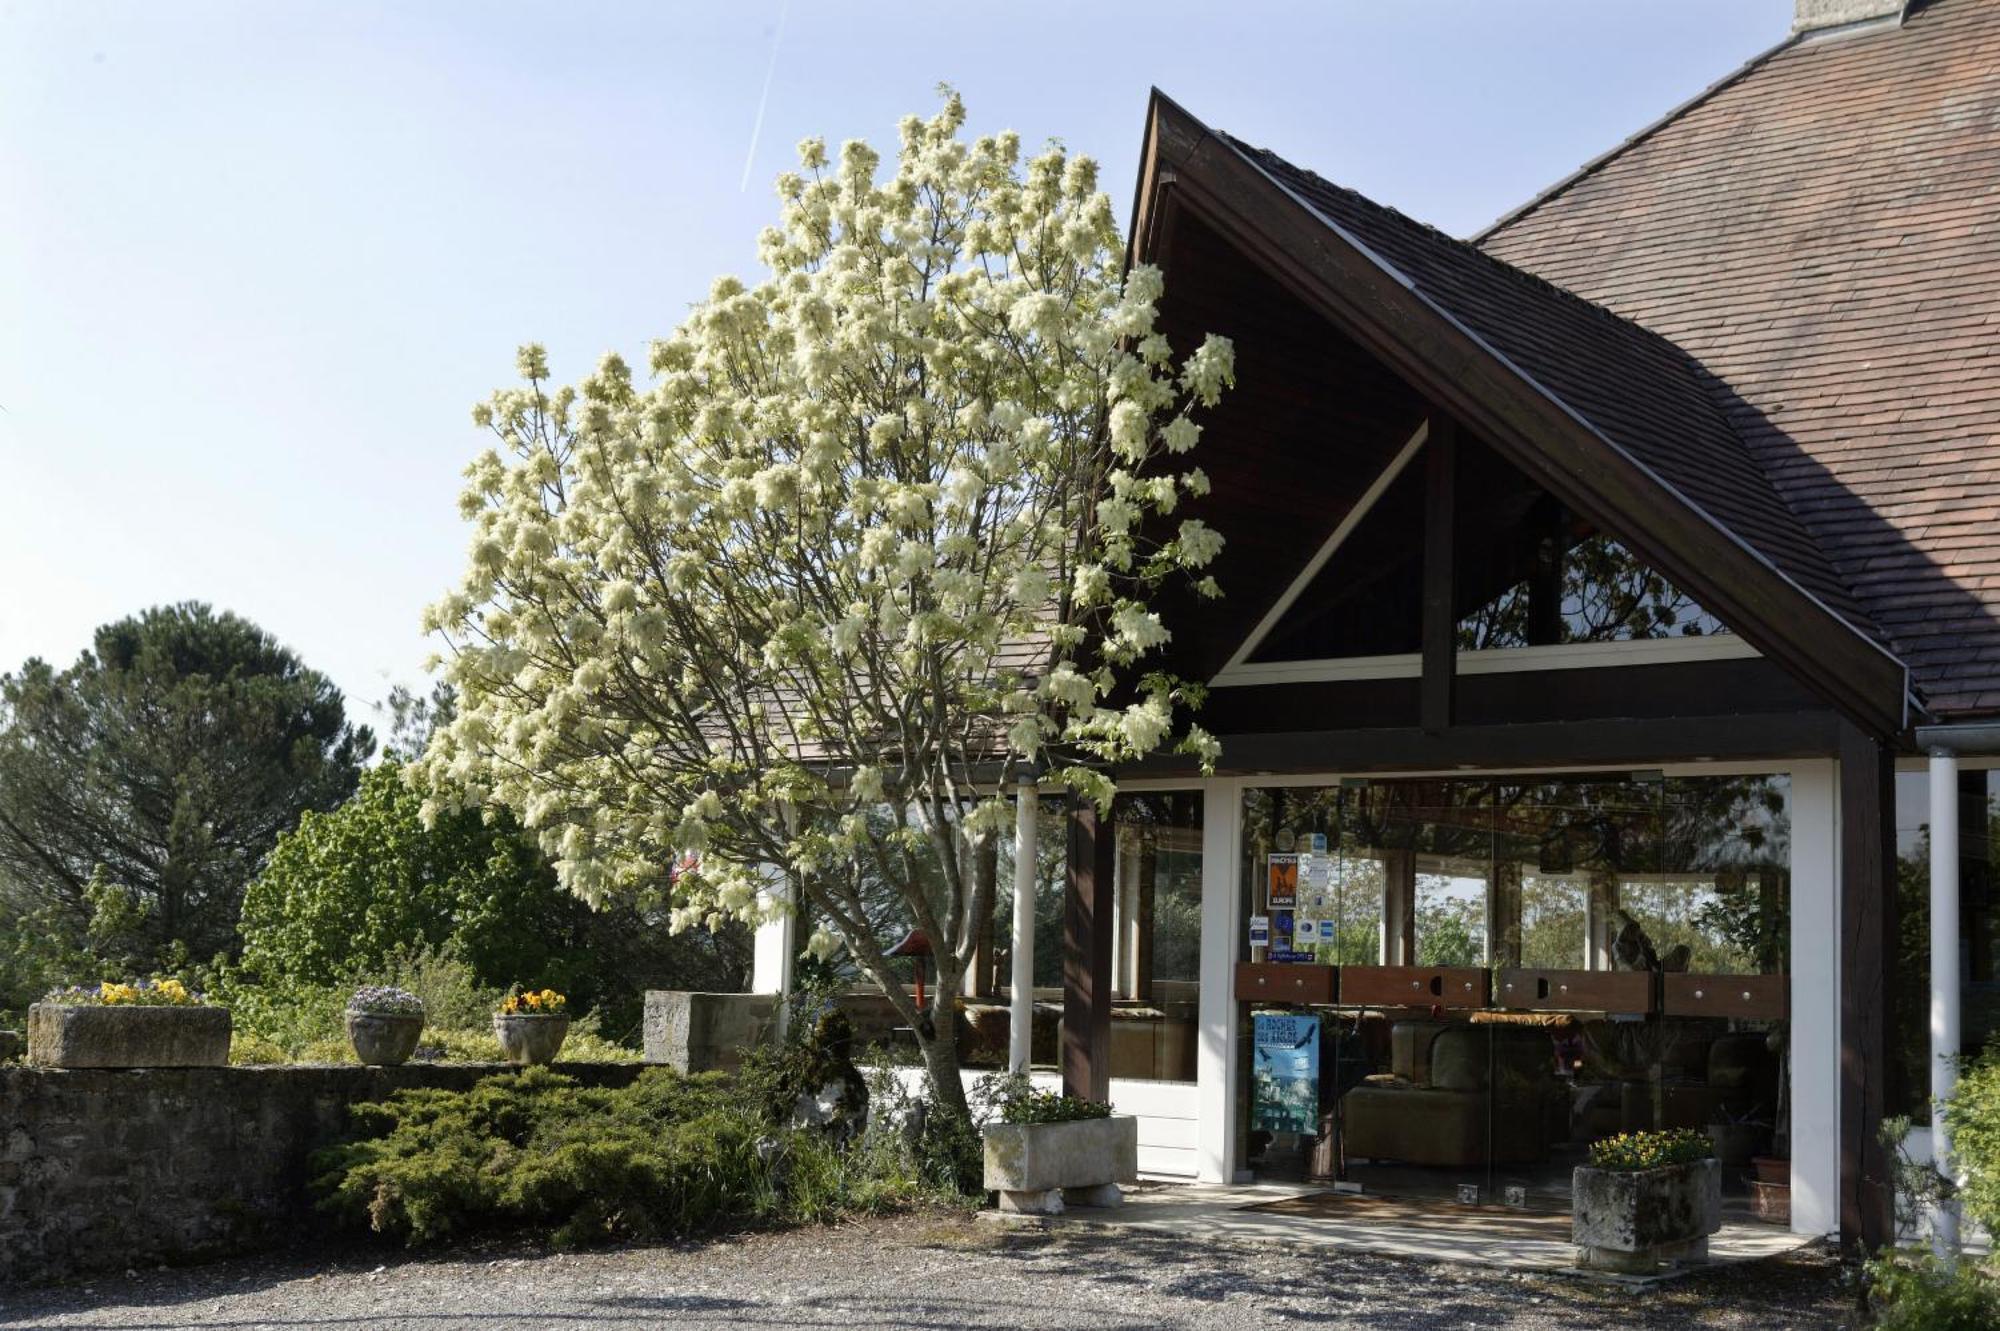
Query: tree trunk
[941, 1060]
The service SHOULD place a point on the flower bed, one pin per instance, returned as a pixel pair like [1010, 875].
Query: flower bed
[141, 1024]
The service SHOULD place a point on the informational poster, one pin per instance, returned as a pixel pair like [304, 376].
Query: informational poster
[1260, 931]
[1282, 884]
[1313, 914]
[1285, 1074]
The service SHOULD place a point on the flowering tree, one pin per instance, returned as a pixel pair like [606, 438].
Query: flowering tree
[878, 530]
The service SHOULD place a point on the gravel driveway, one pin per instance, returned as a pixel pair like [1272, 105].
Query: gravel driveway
[927, 1272]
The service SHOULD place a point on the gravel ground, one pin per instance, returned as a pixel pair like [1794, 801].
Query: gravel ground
[925, 1272]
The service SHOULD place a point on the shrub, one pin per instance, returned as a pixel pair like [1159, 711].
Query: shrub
[1916, 1292]
[667, 1157]
[350, 891]
[1651, 1150]
[1012, 1098]
[1973, 1114]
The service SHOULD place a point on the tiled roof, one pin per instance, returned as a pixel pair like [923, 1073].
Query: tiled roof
[1633, 387]
[1821, 234]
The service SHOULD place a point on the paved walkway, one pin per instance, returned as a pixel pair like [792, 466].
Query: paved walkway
[1221, 1212]
[926, 1272]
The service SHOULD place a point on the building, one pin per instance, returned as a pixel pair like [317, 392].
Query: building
[1609, 673]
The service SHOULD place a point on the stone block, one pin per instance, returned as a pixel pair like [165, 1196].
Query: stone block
[1037, 1157]
[696, 1032]
[60, 1036]
[1046, 1201]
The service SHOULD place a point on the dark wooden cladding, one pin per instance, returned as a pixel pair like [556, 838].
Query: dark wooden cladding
[1574, 991]
[1284, 982]
[1383, 309]
[1416, 986]
[1286, 459]
[1750, 997]
[1088, 907]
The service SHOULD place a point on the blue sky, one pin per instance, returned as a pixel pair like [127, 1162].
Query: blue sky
[257, 260]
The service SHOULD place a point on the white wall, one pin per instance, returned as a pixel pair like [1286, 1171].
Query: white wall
[1815, 1025]
[1166, 1110]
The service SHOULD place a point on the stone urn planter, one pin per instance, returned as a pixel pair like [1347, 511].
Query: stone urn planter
[1632, 1220]
[1038, 1167]
[383, 1039]
[65, 1036]
[530, 1038]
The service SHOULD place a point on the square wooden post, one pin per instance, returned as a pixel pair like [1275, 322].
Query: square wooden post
[1867, 951]
[1088, 910]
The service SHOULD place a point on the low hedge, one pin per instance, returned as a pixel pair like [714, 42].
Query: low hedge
[666, 1157]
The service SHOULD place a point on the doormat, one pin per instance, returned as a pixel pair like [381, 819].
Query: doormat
[1499, 1222]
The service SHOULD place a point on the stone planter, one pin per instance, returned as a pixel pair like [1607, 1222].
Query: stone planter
[1633, 1220]
[61, 1036]
[1037, 1167]
[528, 1038]
[384, 1039]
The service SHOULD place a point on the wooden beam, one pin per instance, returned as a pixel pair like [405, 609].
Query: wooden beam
[1547, 746]
[1087, 924]
[1867, 953]
[1440, 621]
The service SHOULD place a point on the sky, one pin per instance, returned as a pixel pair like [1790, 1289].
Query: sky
[258, 260]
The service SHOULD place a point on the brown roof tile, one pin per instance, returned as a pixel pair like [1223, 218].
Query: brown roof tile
[1821, 233]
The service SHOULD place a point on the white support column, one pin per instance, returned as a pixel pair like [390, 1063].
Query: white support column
[1021, 998]
[1944, 981]
[1221, 921]
[1814, 1094]
[774, 949]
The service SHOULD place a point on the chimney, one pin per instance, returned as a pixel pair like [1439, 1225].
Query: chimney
[1814, 17]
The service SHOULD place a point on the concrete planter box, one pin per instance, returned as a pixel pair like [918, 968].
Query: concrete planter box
[60, 1036]
[696, 1032]
[384, 1039]
[1037, 1167]
[529, 1038]
[1633, 1220]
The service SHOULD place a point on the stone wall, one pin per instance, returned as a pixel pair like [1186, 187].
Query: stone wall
[104, 1169]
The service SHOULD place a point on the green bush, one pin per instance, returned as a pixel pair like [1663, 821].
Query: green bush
[1012, 1098]
[1651, 1150]
[667, 1157]
[1916, 1292]
[1910, 1290]
[350, 891]
[1974, 1116]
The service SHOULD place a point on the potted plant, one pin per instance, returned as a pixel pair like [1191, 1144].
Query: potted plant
[531, 1026]
[1646, 1198]
[383, 1024]
[127, 1024]
[1044, 1150]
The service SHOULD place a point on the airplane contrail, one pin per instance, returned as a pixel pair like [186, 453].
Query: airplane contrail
[763, 100]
